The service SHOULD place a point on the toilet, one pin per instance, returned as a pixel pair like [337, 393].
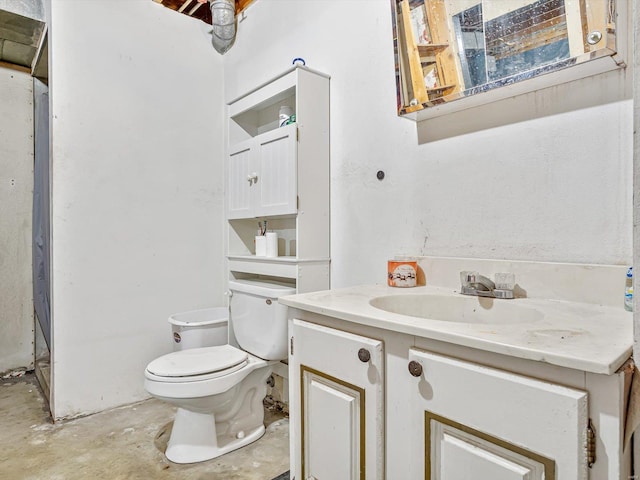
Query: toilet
[218, 388]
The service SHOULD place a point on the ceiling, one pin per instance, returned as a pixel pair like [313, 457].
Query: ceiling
[199, 10]
[23, 32]
[23, 36]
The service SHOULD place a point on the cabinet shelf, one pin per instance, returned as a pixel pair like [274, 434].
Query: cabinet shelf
[286, 267]
[285, 259]
[439, 89]
[419, 64]
[429, 50]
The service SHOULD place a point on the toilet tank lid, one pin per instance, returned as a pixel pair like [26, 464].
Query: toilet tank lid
[262, 288]
[202, 317]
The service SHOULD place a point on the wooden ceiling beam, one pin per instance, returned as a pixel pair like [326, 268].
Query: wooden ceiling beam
[184, 6]
[194, 9]
[241, 5]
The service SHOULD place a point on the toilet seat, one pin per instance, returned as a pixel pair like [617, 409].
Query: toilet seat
[198, 386]
[197, 364]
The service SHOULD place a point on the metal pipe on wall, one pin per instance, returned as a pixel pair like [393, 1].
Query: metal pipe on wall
[224, 24]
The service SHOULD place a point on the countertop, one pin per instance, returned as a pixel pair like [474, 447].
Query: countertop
[587, 337]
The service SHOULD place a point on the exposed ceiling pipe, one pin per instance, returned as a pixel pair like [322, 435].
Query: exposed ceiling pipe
[223, 13]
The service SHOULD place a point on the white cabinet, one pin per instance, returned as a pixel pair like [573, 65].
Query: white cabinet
[449, 412]
[338, 380]
[280, 175]
[472, 421]
[262, 178]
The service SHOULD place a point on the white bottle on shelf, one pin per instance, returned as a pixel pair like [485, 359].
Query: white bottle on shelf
[284, 115]
[628, 291]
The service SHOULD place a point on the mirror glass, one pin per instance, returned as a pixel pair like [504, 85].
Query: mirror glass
[451, 49]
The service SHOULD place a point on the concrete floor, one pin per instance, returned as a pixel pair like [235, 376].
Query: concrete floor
[124, 443]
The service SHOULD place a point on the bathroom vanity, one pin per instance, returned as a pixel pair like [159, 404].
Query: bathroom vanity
[426, 383]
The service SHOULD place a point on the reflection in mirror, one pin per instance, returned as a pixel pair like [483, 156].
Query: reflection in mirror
[450, 49]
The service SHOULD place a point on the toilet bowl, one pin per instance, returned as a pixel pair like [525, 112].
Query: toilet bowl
[219, 389]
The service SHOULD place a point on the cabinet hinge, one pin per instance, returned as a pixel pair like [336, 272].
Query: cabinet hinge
[291, 345]
[591, 444]
[297, 134]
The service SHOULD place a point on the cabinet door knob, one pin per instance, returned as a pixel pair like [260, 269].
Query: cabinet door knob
[415, 368]
[364, 355]
[252, 177]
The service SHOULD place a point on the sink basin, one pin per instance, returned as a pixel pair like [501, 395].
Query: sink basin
[460, 309]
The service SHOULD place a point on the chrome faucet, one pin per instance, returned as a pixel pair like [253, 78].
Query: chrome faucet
[475, 284]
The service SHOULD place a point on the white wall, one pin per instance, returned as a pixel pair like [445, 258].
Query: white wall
[137, 192]
[16, 187]
[552, 184]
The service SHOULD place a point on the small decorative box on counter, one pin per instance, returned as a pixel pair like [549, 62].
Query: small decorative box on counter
[402, 273]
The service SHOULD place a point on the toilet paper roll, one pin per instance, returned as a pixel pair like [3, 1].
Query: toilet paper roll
[272, 244]
[261, 246]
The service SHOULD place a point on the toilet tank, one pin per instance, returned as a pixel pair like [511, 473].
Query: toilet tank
[259, 322]
[207, 327]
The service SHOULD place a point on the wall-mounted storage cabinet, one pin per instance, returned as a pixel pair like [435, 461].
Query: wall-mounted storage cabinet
[280, 174]
[455, 55]
[262, 175]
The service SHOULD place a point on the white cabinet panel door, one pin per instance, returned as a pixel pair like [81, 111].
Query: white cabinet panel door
[262, 175]
[277, 182]
[333, 416]
[491, 424]
[463, 454]
[240, 183]
[339, 392]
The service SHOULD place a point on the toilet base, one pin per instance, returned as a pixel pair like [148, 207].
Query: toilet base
[194, 439]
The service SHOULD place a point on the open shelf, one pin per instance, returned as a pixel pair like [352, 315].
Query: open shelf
[286, 267]
[429, 50]
[440, 89]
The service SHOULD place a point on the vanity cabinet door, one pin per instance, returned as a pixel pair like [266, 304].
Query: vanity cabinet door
[475, 422]
[337, 386]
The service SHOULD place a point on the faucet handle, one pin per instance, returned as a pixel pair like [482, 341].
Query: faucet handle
[505, 281]
[468, 277]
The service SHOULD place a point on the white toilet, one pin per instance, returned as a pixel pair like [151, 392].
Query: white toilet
[219, 388]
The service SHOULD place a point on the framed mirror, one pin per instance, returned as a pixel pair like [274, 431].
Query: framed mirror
[456, 54]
